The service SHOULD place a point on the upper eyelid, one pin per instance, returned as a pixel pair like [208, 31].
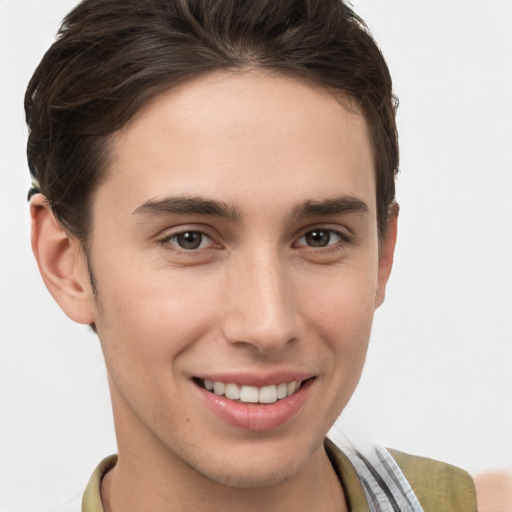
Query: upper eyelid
[174, 235]
[209, 241]
[166, 236]
[171, 245]
[343, 236]
[344, 231]
[169, 232]
[331, 230]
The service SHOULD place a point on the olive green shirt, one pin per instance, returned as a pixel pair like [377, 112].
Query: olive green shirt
[439, 487]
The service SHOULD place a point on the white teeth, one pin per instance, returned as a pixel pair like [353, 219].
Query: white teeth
[249, 394]
[252, 394]
[268, 394]
[232, 391]
[282, 390]
[219, 388]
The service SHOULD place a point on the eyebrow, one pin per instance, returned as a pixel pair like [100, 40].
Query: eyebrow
[333, 206]
[187, 205]
[196, 205]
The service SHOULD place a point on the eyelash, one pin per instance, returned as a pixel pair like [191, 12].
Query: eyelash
[343, 240]
[167, 241]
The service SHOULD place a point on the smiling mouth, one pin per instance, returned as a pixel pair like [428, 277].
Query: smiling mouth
[251, 394]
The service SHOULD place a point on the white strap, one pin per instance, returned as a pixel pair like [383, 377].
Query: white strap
[385, 486]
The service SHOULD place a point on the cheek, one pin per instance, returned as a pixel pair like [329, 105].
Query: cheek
[151, 315]
[340, 317]
[145, 326]
[342, 305]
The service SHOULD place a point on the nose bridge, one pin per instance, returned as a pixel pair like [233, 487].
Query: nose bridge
[261, 308]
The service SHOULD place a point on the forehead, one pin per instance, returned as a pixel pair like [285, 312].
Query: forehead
[248, 137]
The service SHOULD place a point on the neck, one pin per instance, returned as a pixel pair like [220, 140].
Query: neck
[129, 487]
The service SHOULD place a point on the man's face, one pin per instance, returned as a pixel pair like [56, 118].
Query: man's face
[235, 241]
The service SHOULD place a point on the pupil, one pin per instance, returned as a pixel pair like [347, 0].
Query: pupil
[318, 238]
[189, 240]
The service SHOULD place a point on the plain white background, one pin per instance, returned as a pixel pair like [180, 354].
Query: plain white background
[438, 380]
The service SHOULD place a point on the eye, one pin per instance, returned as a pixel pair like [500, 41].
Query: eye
[190, 240]
[321, 238]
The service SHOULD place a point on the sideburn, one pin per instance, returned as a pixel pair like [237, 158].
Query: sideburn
[92, 281]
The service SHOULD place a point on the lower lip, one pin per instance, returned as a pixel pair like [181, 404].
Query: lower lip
[256, 417]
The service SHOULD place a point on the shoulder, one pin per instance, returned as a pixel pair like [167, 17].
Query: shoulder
[438, 486]
[494, 492]
[433, 481]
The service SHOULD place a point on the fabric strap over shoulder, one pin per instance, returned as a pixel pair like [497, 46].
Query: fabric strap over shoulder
[385, 486]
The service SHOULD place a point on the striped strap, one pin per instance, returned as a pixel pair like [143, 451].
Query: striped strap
[384, 484]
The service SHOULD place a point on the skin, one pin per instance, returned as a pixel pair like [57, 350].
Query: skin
[494, 491]
[254, 298]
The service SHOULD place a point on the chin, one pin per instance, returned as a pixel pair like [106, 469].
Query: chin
[251, 476]
[255, 466]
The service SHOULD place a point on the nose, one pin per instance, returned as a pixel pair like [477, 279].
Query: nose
[260, 309]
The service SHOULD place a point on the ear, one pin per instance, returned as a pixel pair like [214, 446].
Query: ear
[62, 263]
[386, 254]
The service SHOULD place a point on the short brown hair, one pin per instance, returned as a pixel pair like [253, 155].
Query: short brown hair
[112, 55]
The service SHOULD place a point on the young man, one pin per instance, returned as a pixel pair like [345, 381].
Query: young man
[214, 196]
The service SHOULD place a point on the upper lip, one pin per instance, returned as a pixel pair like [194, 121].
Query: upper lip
[259, 379]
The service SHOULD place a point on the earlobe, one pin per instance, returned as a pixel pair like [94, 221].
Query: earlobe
[386, 254]
[61, 262]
